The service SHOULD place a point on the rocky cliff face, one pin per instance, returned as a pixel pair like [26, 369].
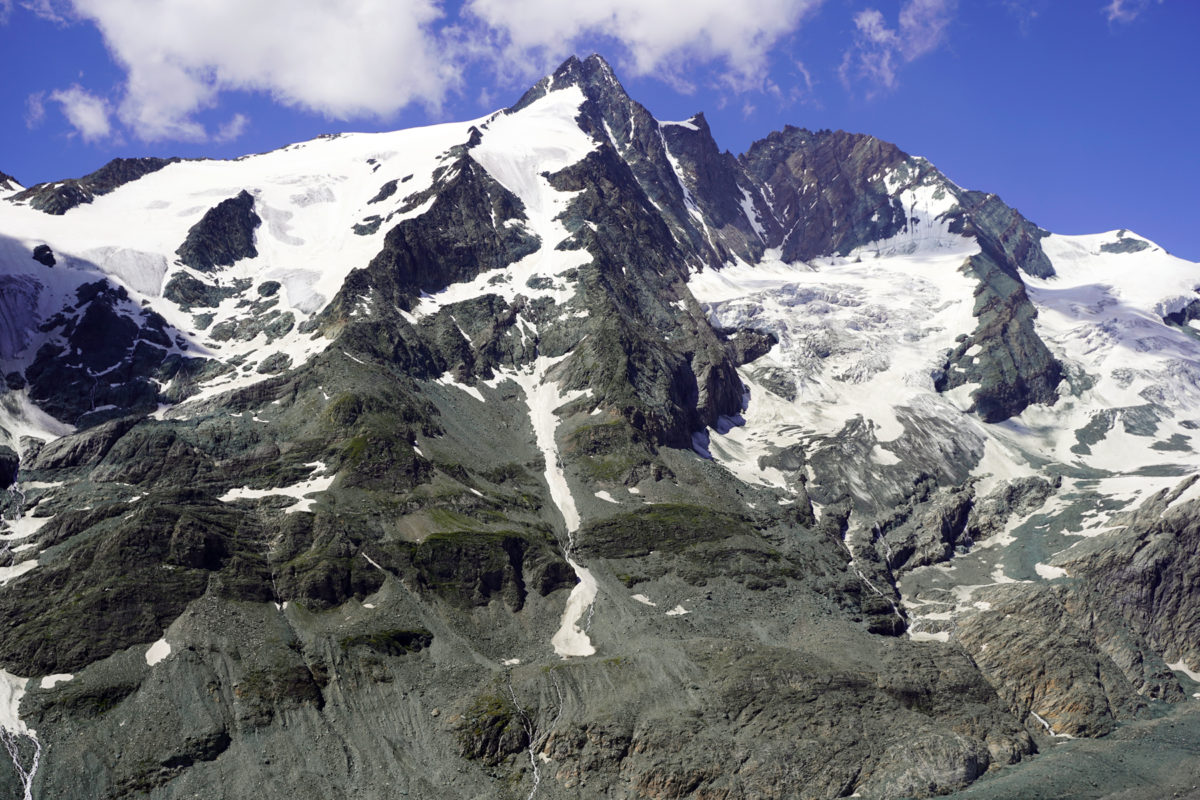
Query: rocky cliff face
[560, 454]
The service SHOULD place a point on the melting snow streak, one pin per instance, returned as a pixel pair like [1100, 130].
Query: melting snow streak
[13, 730]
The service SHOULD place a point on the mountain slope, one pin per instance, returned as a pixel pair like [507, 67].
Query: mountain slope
[559, 453]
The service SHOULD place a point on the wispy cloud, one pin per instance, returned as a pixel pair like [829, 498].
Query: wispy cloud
[87, 113]
[805, 74]
[1126, 10]
[232, 129]
[1025, 12]
[52, 10]
[879, 51]
[35, 110]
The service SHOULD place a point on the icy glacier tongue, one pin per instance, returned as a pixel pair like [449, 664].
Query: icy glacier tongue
[860, 337]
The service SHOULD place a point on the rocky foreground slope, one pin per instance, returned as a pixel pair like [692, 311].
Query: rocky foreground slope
[560, 454]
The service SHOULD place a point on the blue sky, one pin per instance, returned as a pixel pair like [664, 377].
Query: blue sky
[1083, 114]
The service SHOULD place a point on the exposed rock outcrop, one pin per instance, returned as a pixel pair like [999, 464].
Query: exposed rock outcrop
[223, 235]
[61, 196]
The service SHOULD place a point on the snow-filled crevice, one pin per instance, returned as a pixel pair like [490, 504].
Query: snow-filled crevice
[543, 397]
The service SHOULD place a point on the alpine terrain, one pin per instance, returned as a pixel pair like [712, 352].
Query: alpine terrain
[559, 454]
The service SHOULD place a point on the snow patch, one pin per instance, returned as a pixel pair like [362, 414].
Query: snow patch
[50, 681]
[1181, 666]
[12, 689]
[1049, 572]
[302, 491]
[16, 570]
[157, 652]
[23, 527]
[447, 379]
[691, 126]
[1049, 730]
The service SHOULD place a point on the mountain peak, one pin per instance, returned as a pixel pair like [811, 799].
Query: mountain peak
[8, 183]
[586, 72]
[592, 75]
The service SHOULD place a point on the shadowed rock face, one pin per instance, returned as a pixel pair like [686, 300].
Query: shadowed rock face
[1145, 573]
[9, 466]
[664, 162]
[44, 255]
[1003, 234]
[733, 206]
[102, 334]
[669, 373]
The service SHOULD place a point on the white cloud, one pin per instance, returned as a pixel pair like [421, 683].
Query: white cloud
[661, 37]
[370, 58]
[1126, 10]
[874, 53]
[342, 58]
[87, 113]
[806, 75]
[880, 51]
